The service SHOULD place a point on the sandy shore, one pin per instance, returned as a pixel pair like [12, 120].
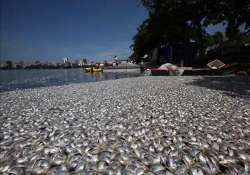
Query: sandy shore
[144, 125]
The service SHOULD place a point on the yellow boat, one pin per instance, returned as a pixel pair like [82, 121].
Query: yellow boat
[89, 69]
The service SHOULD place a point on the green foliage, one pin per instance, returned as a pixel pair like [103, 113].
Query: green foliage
[173, 21]
[245, 38]
[143, 40]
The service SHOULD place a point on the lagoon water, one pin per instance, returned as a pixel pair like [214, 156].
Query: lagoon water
[23, 79]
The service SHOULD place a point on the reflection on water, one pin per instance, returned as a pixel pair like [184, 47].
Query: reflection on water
[22, 79]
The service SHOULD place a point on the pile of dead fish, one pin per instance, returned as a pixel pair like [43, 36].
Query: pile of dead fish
[122, 141]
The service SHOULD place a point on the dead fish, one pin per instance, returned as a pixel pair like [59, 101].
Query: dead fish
[58, 169]
[156, 168]
[36, 171]
[17, 170]
[41, 163]
[101, 166]
[4, 168]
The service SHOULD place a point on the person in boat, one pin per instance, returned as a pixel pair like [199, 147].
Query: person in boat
[97, 66]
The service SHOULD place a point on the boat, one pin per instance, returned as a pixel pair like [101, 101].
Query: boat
[98, 70]
[87, 69]
[133, 68]
[92, 69]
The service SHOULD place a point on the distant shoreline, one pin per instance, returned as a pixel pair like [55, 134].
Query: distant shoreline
[41, 68]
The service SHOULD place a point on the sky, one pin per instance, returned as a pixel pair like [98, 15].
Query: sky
[49, 30]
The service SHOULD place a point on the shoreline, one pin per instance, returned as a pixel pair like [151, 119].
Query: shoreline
[247, 78]
[132, 125]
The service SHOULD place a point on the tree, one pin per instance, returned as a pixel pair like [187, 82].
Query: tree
[169, 22]
[143, 40]
[245, 38]
[203, 12]
[173, 21]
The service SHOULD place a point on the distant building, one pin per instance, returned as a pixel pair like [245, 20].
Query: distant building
[65, 60]
[9, 64]
[82, 62]
[77, 62]
[123, 61]
[66, 63]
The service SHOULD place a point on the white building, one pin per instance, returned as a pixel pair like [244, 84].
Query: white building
[65, 60]
[82, 62]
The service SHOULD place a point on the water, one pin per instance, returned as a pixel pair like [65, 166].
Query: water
[22, 79]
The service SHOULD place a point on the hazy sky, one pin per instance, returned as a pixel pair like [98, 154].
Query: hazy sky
[52, 29]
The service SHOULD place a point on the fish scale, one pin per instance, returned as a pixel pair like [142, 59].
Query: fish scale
[145, 125]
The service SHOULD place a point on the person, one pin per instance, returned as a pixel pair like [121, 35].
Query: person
[97, 66]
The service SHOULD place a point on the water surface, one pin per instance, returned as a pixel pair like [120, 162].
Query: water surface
[22, 79]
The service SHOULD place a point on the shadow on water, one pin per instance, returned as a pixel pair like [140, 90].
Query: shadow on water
[234, 86]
